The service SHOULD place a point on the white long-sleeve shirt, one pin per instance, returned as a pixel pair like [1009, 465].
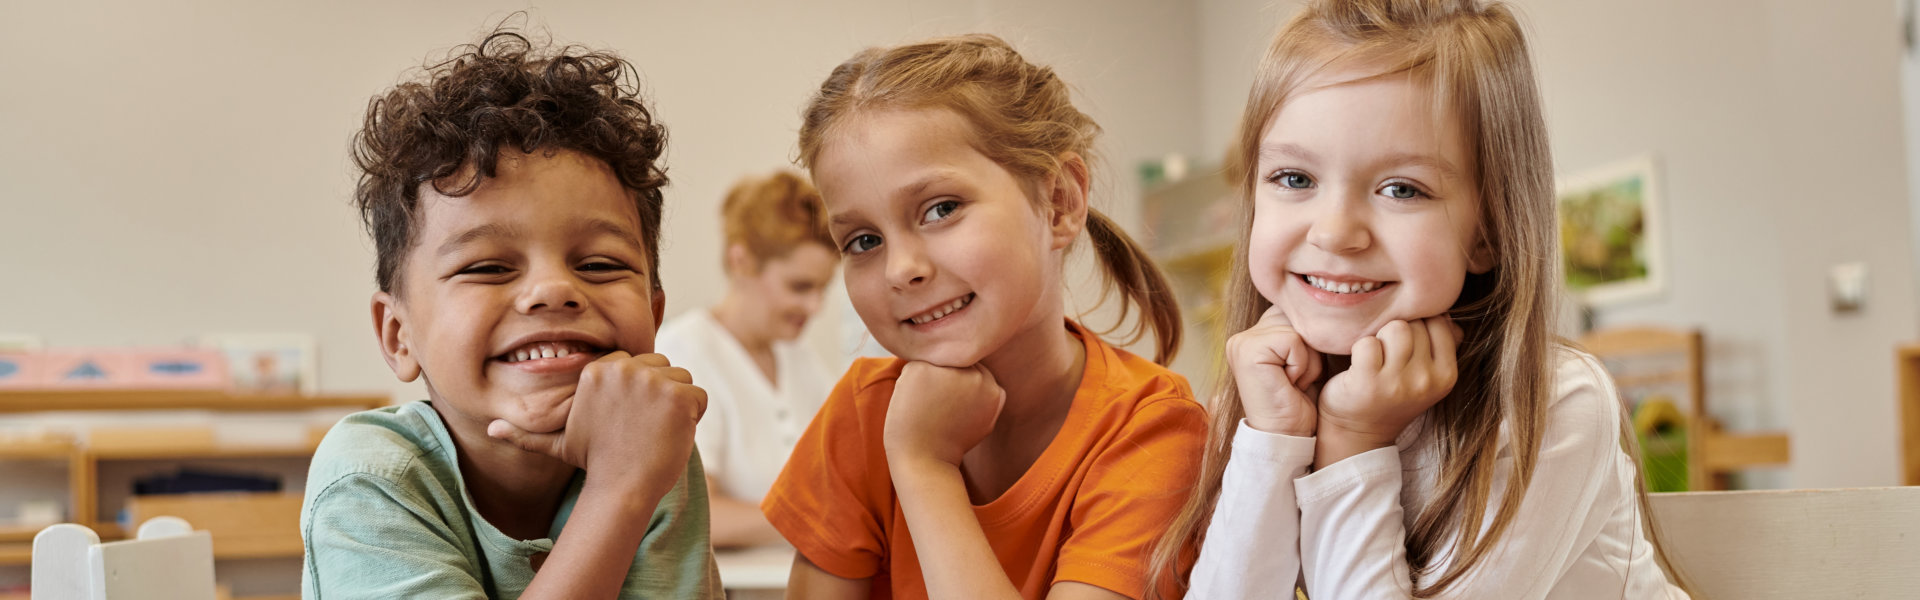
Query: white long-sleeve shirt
[1577, 534]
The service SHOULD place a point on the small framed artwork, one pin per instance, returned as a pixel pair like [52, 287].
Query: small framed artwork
[1611, 232]
[268, 363]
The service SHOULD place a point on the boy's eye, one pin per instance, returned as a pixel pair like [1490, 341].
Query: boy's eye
[603, 267]
[1293, 180]
[483, 270]
[1400, 191]
[862, 243]
[940, 211]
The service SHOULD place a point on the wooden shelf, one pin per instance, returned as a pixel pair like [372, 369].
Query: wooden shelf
[242, 526]
[159, 443]
[13, 534]
[16, 401]
[1730, 451]
[262, 546]
[41, 447]
[16, 553]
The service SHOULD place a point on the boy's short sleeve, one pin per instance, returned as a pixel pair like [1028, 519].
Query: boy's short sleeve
[835, 494]
[676, 557]
[377, 540]
[1131, 495]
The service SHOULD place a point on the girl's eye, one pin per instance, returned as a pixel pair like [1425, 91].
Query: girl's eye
[1294, 180]
[862, 243]
[1401, 191]
[940, 211]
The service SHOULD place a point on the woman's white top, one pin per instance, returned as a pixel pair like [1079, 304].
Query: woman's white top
[1344, 528]
[751, 423]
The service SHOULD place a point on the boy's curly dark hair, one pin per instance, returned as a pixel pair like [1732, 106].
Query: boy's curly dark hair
[504, 92]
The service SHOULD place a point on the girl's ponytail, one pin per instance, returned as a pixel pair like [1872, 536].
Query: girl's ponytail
[1141, 285]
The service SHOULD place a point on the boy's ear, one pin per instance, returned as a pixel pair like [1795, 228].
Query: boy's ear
[389, 324]
[1067, 193]
[659, 308]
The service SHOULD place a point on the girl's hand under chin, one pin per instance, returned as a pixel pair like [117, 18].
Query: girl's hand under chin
[1277, 376]
[940, 413]
[1396, 374]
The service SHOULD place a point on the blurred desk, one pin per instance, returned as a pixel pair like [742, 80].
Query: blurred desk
[757, 568]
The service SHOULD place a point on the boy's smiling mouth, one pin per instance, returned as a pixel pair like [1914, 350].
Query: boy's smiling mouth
[552, 351]
[539, 350]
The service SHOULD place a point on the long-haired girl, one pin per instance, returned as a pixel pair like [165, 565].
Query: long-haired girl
[1395, 335]
[1008, 452]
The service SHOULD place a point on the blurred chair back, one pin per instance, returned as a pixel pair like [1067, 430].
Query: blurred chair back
[167, 560]
[1649, 362]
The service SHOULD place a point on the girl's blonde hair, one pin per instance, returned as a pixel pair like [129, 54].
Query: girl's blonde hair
[774, 214]
[1474, 58]
[1022, 118]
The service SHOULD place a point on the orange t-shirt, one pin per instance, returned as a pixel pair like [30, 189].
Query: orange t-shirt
[1090, 509]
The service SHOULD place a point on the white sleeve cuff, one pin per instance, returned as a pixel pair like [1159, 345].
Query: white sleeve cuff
[1373, 467]
[1254, 445]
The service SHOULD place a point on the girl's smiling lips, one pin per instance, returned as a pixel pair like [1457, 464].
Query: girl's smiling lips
[1339, 290]
[940, 315]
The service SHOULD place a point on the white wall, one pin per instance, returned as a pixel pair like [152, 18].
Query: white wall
[181, 168]
[1778, 128]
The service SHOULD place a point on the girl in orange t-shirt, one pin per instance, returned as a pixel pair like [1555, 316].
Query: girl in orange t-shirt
[1008, 452]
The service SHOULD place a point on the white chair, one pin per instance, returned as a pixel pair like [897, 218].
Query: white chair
[1838, 543]
[167, 560]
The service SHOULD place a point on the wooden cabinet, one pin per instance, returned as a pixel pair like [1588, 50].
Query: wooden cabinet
[243, 525]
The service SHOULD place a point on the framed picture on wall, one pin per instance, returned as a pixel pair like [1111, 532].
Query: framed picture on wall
[269, 363]
[1611, 232]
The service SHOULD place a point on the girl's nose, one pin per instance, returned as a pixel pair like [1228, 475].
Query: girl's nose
[1341, 227]
[907, 264]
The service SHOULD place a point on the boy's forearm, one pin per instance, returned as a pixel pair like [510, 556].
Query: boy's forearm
[954, 555]
[596, 548]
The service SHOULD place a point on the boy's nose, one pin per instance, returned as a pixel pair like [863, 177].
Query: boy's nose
[545, 293]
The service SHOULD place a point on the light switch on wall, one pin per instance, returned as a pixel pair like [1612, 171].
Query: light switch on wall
[1847, 286]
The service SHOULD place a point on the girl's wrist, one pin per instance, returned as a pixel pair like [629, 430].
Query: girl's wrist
[1296, 427]
[1335, 443]
[908, 470]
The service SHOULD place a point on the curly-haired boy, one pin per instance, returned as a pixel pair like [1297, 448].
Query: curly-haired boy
[513, 195]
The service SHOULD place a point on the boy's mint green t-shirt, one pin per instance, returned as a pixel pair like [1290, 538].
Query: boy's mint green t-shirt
[387, 516]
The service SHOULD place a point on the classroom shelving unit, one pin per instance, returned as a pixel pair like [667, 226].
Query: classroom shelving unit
[243, 525]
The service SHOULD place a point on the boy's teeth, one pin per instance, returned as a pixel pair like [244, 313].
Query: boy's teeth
[545, 350]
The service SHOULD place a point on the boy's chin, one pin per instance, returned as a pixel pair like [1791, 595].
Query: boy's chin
[538, 415]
